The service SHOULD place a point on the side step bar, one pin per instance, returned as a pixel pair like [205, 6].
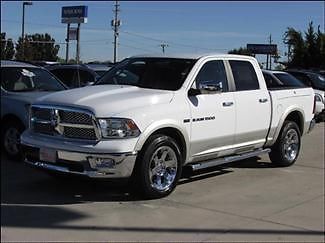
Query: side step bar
[211, 163]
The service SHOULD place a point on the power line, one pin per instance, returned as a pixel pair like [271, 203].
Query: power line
[171, 42]
[138, 48]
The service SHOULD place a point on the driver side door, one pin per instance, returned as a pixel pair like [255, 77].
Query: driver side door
[213, 113]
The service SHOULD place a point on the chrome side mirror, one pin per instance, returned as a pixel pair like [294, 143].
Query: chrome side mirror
[208, 87]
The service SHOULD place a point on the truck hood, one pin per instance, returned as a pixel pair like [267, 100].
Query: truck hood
[26, 97]
[108, 100]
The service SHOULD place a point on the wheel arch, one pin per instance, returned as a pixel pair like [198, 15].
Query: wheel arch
[296, 115]
[11, 117]
[170, 130]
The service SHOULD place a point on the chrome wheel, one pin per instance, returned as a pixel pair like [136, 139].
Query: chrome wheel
[12, 140]
[291, 145]
[163, 168]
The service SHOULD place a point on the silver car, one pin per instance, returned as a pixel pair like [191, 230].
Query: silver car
[21, 85]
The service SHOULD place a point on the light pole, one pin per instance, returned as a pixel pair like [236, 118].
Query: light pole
[23, 28]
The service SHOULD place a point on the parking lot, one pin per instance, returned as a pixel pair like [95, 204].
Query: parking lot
[246, 201]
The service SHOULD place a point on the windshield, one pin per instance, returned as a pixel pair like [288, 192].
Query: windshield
[288, 80]
[318, 81]
[151, 73]
[23, 79]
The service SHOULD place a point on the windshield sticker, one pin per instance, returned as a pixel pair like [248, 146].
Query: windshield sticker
[27, 73]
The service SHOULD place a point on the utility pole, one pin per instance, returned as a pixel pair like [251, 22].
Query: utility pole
[67, 45]
[23, 28]
[116, 25]
[78, 44]
[270, 42]
[163, 46]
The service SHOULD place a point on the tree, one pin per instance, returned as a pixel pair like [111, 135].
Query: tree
[37, 47]
[7, 48]
[296, 44]
[240, 51]
[310, 45]
[305, 51]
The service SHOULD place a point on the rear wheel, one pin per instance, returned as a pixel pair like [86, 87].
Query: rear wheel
[158, 167]
[286, 150]
[10, 139]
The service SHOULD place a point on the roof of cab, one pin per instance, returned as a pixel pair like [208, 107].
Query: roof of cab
[5, 63]
[191, 55]
[273, 71]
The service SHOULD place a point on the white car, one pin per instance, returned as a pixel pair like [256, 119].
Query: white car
[149, 116]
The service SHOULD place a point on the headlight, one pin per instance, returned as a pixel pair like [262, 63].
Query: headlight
[118, 128]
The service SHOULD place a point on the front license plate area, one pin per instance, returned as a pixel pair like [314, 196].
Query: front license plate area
[47, 155]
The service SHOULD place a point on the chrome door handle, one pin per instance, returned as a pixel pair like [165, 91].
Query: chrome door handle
[227, 103]
[262, 100]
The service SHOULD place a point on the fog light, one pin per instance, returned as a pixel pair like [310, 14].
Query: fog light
[101, 163]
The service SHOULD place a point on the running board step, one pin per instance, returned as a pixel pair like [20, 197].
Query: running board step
[225, 160]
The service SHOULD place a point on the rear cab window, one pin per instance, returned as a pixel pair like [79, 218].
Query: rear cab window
[244, 75]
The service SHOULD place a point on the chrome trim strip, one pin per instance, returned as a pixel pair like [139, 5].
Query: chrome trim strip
[41, 121]
[211, 163]
[76, 125]
[92, 174]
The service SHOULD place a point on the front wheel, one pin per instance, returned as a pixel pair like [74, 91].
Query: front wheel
[158, 167]
[10, 139]
[286, 149]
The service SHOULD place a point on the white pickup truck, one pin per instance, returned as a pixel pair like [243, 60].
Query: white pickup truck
[149, 116]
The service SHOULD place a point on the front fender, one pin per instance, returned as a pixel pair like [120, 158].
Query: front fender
[166, 123]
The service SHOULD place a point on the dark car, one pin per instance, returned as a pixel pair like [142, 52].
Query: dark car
[309, 78]
[280, 80]
[21, 85]
[74, 75]
[100, 69]
[317, 82]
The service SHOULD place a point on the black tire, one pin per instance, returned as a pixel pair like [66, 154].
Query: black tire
[281, 153]
[142, 180]
[12, 127]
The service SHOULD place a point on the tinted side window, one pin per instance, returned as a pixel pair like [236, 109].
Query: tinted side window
[65, 75]
[303, 78]
[244, 75]
[270, 82]
[214, 72]
[85, 77]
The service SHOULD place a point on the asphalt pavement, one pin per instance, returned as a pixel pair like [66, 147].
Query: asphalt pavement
[248, 200]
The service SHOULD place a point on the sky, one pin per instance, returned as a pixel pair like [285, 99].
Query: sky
[187, 27]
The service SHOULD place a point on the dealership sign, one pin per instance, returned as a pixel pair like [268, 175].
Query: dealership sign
[74, 14]
[262, 48]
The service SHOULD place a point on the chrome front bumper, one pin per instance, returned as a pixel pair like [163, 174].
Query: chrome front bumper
[93, 165]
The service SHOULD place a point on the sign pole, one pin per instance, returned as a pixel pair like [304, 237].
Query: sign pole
[74, 15]
[67, 45]
[78, 44]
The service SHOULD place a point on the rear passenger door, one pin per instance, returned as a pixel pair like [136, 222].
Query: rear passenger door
[253, 106]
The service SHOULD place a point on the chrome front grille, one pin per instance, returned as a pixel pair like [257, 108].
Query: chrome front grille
[73, 132]
[64, 122]
[75, 117]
